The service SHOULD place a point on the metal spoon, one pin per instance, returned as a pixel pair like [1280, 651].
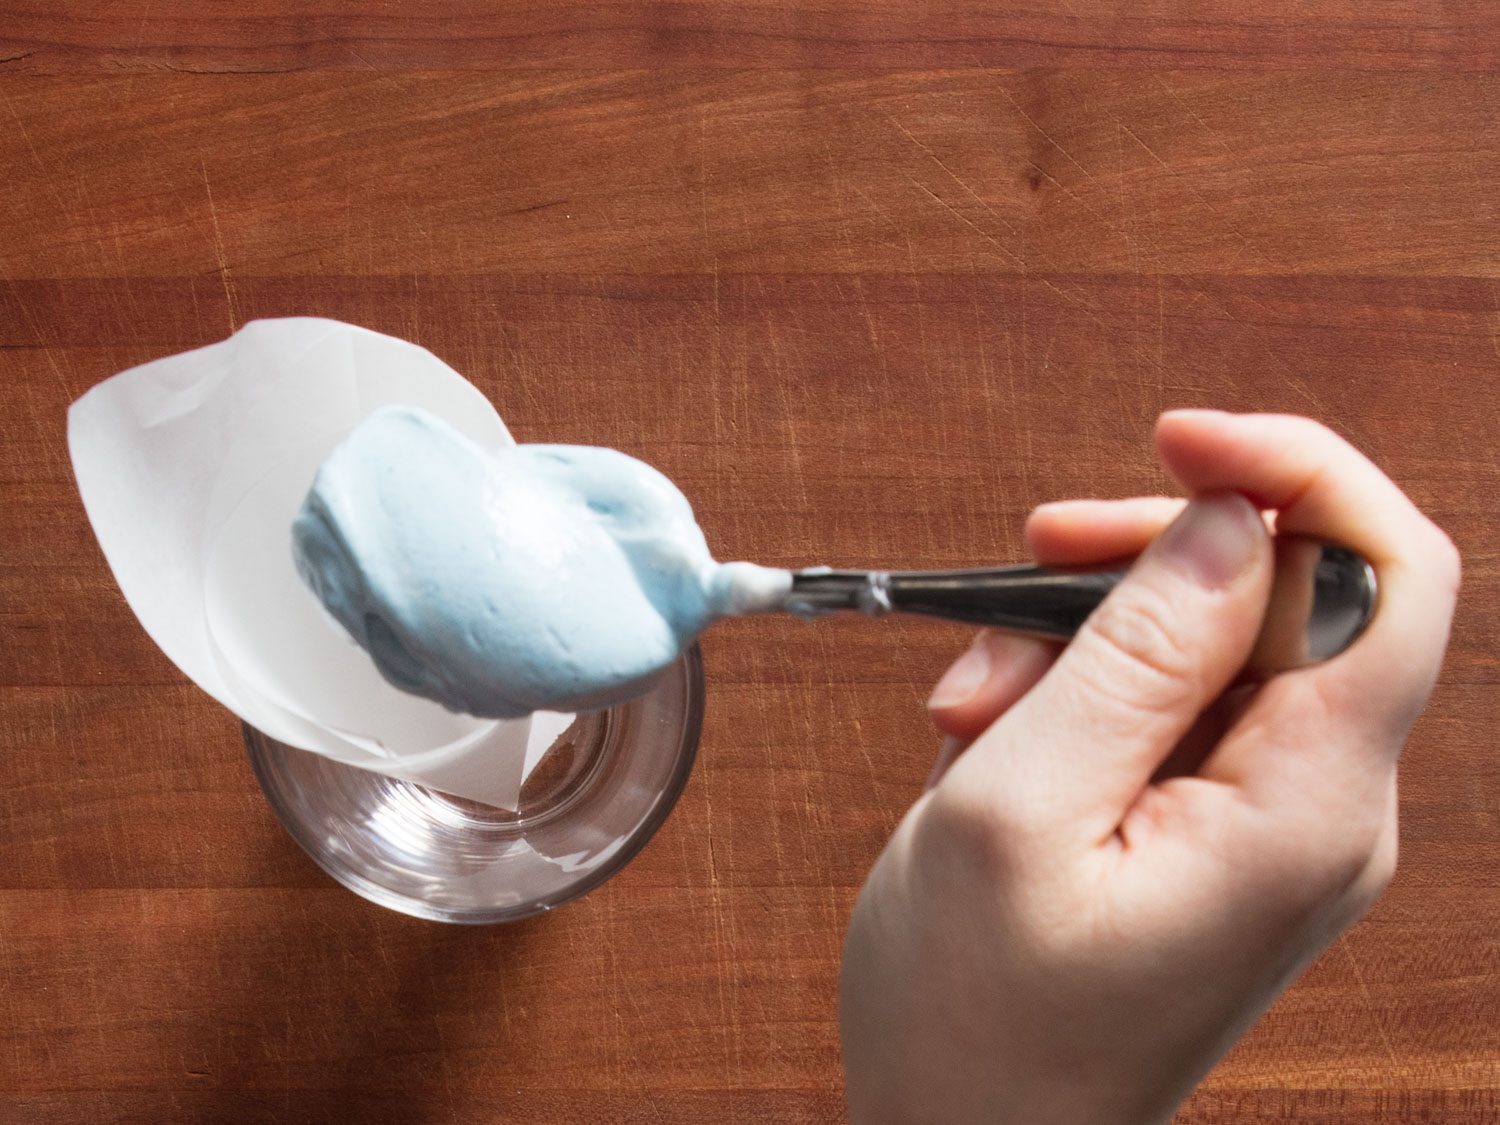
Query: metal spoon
[1322, 597]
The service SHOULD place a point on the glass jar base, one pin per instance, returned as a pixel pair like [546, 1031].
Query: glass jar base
[592, 802]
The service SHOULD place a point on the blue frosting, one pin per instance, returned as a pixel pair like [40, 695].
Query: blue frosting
[502, 582]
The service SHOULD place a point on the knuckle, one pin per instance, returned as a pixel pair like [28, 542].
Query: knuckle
[1354, 869]
[1380, 872]
[1306, 433]
[1303, 427]
[1447, 563]
[1144, 659]
[1344, 867]
[1314, 430]
[1380, 865]
[1303, 886]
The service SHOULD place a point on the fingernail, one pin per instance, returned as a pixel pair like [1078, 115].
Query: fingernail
[1215, 538]
[964, 678]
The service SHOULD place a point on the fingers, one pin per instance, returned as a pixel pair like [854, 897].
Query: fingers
[1323, 487]
[998, 669]
[988, 679]
[1132, 697]
[1084, 532]
[1080, 747]
[982, 684]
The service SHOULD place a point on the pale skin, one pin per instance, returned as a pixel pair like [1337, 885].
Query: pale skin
[1117, 866]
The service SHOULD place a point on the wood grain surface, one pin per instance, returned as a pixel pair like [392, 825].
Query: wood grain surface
[870, 279]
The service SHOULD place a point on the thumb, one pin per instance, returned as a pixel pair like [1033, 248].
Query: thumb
[1156, 653]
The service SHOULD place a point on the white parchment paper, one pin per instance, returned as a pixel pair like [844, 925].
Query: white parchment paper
[191, 470]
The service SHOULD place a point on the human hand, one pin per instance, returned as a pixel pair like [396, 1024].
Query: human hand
[1118, 865]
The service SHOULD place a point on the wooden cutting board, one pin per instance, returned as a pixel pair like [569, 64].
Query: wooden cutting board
[870, 280]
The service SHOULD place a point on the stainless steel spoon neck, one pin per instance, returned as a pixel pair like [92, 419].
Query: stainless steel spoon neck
[1020, 599]
[819, 590]
[1322, 598]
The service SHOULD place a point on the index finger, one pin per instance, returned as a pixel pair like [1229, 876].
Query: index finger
[1323, 487]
